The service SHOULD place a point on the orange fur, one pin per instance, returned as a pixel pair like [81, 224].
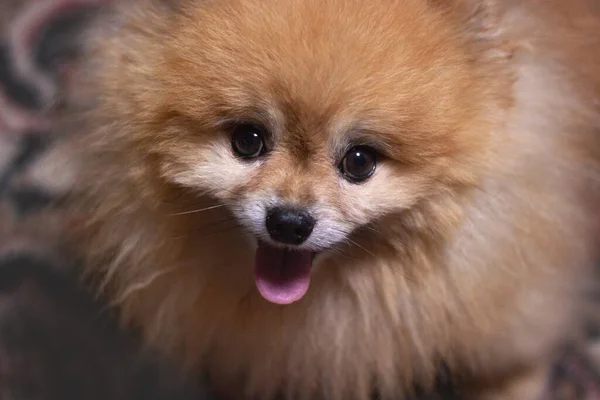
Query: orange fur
[471, 245]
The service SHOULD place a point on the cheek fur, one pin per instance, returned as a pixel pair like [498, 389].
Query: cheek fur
[251, 211]
[386, 192]
[331, 227]
[212, 169]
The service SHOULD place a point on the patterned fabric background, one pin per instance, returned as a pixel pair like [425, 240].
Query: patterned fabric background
[53, 344]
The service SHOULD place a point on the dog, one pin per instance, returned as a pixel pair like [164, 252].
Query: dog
[332, 199]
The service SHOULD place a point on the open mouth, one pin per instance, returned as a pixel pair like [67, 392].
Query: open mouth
[282, 275]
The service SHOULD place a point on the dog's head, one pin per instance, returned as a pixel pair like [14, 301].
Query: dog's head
[313, 119]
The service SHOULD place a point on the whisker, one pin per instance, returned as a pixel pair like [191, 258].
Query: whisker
[215, 223]
[197, 233]
[402, 274]
[373, 229]
[348, 240]
[359, 246]
[342, 253]
[195, 193]
[198, 210]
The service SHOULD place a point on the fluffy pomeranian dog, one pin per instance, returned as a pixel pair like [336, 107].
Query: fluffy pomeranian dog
[327, 199]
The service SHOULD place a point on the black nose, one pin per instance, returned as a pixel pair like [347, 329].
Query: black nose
[289, 225]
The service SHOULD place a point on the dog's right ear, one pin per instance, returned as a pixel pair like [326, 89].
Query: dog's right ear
[479, 17]
[480, 20]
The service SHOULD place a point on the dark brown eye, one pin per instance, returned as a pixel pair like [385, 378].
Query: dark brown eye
[359, 163]
[248, 141]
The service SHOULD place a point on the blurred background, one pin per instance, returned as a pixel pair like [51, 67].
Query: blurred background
[55, 341]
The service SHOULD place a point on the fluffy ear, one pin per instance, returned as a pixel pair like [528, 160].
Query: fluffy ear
[481, 22]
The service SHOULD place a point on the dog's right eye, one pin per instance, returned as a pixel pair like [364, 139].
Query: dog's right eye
[359, 164]
[248, 141]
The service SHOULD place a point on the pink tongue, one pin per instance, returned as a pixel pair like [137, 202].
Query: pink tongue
[282, 276]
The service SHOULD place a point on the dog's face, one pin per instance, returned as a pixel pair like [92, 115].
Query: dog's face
[312, 119]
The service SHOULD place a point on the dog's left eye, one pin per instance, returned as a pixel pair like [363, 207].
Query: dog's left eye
[248, 141]
[359, 163]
